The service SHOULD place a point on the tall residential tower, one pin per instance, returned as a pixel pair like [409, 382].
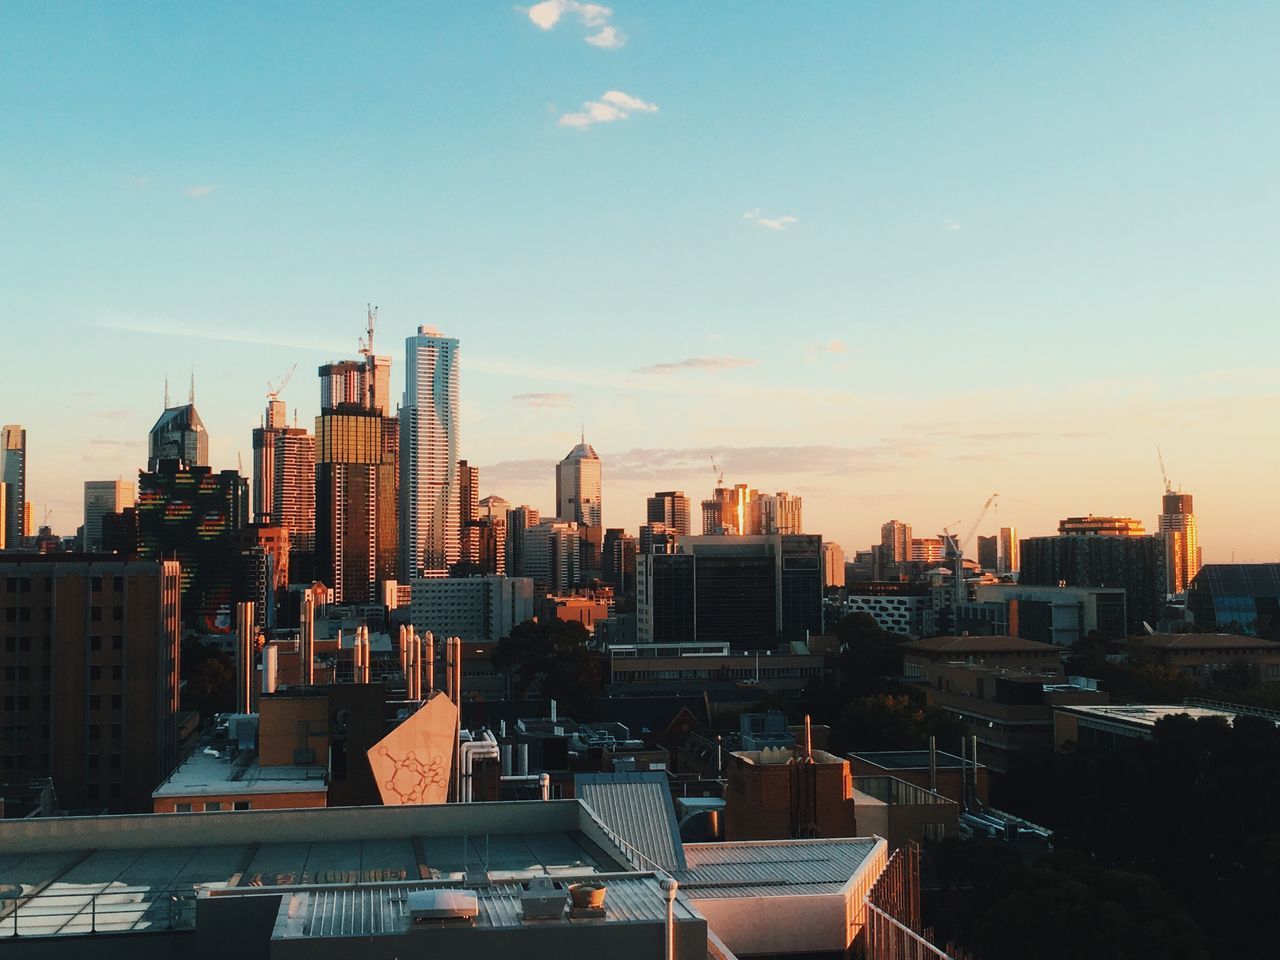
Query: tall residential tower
[13, 474]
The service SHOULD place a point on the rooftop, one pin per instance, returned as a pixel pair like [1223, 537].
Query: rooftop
[1145, 715]
[204, 774]
[967, 644]
[910, 759]
[1206, 641]
[772, 868]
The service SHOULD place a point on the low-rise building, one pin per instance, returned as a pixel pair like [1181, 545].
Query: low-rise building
[478, 609]
[1057, 615]
[1110, 726]
[1003, 651]
[1203, 656]
[950, 776]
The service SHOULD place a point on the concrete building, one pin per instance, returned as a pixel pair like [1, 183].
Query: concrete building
[749, 591]
[89, 680]
[477, 609]
[670, 508]
[781, 792]
[552, 555]
[293, 487]
[675, 668]
[179, 434]
[832, 565]
[1111, 726]
[907, 613]
[13, 475]
[519, 520]
[1091, 526]
[895, 542]
[100, 498]
[468, 516]
[988, 553]
[1058, 615]
[781, 512]
[430, 528]
[1203, 656]
[957, 778]
[1011, 652]
[927, 550]
[1178, 527]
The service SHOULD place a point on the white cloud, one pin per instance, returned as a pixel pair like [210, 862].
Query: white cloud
[543, 399]
[951, 224]
[201, 190]
[698, 363]
[613, 105]
[771, 223]
[593, 16]
[835, 346]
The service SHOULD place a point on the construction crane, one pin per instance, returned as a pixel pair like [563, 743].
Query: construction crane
[273, 393]
[717, 471]
[955, 552]
[1164, 474]
[366, 342]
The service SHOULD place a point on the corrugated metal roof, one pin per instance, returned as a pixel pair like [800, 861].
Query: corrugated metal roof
[771, 868]
[371, 910]
[637, 807]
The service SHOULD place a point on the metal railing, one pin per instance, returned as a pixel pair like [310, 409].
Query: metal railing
[887, 939]
[98, 910]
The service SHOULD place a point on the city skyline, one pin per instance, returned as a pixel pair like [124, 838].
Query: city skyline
[893, 310]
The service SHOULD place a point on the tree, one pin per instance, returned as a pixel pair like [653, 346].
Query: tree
[867, 652]
[550, 658]
[208, 679]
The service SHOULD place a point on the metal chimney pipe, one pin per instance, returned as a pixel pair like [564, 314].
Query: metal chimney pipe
[933, 763]
[522, 754]
[244, 656]
[307, 641]
[270, 668]
[504, 751]
[975, 770]
[669, 887]
[430, 640]
[808, 738]
[553, 711]
[448, 667]
[457, 667]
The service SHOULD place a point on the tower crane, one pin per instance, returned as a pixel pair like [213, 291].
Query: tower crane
[717, 471]
[955, 552]
[1164, 474]
[273, 393]
[366, 342]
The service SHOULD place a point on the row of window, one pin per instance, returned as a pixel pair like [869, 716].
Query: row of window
[212, 806]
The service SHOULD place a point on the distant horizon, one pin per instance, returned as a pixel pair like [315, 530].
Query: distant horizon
[889, 259]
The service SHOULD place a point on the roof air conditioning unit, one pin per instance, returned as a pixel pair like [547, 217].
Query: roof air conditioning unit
[542, 898]
[431, 907]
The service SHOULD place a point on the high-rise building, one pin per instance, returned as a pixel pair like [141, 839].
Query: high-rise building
[13, 473]
[578, 489]
[1182, 540]
[927, 550]
[264, 452]
[895, 542]
[552, 556]
[988, 553]
[348, 450]
[732, 511]
[468, 515]
[1134, 563]
[618, 560]
[179, 434]
[832, 565]
[477, 609]
[657, 538]
[670, 508]
[780, 513]
[89, 672]
[194, 515]
[100, 498]
[1009, 560]
[293, 487]
[4, 513]
[519, 520]
[429, 424]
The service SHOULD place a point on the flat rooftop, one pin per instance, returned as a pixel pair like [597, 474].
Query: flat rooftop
[1145, 715]
[910, 759]
[202, 774]
[772, 868]
[136, 873]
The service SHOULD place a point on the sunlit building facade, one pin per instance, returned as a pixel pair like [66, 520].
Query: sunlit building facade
[102, 497]
[1182, 540]
[13, 473]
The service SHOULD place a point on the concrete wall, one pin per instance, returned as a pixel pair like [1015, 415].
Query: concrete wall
[256, 801]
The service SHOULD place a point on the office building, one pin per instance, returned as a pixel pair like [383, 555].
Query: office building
[781, 512]
[618, 562]
[657, 538]
[1058, 615]
[927, 550]
[751, 592]
[552, 556]
[732, 511]
[13, 474]
[832, 565]
[1240, 597]
[430, 533]
[4, 514]
[578, 486]
[519, 521]
[348, 450]
[293, 487]
[670, 508]
[477, 609]
[468, 517]
[264, 451]
[102, 497]
[1182, 540]
[90, 669]
[263, 570]
[1206, 657]
[1009, 560]
[1135, 563]
[193, 515]
[179, 434]
[988, 553]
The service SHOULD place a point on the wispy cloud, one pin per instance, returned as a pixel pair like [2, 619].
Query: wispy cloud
[698, 363]
[543, 399]
[612, 106]
[834, 346]
[770, 223]
[199, 191]
[592, 16]
[949, 224]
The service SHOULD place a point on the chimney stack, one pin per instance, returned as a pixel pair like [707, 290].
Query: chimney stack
[244, 657]
[307, 641]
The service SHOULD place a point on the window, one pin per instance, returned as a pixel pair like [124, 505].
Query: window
[117, 672]
[97, 584]
[212, 806]
[117, 583]
[95, 614]
[182, 808]
[95, 643]
[95, 672]
[117, 614]
[117, 642]
[240, 805]
[95, 701]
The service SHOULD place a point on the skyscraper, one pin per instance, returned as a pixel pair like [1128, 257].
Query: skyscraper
[988, 553]
[429, 427]
[1182, 540]
[519, 520]
[293, 487]
[179, 434]
[578, 486]
[671, 508]
[1009, 560]
[781, 512]
[100, 498]
[264, 453]
[469, 515]
[832, 565]
[13, 473]
[895, 542]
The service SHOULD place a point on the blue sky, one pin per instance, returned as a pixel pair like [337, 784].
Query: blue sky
[890, 257]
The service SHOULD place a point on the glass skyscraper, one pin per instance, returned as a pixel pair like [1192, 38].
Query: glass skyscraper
[430, 532]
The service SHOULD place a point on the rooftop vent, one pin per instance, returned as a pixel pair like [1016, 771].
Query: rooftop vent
[431, 907]
[542, 898]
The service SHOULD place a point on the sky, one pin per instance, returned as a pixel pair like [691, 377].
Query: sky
[889, 257]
